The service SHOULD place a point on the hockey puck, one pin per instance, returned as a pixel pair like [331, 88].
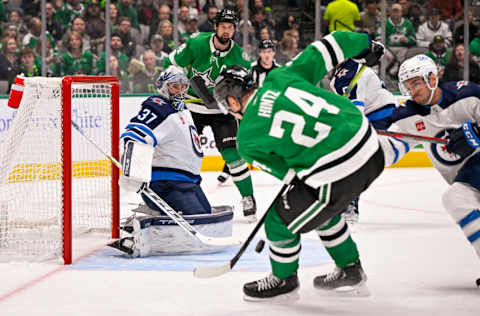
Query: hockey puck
[478, 280]
[261, 244]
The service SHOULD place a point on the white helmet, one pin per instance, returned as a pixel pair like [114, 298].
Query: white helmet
[418, 66]
[173, 74]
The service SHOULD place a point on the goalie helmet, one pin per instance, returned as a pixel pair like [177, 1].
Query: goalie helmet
[418, 66]
[173, 85]
[234, 81]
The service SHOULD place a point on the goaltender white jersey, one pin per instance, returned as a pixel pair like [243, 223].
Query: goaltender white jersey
[460, 102]
[177, 150]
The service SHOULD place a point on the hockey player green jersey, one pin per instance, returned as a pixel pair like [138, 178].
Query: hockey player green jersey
[292, 125]
[200, 58]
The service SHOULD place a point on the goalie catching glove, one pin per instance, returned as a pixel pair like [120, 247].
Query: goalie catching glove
[136, 166]
[464, 140]
[371, 55]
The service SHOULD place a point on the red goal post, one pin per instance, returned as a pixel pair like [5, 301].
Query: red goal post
[54, 184]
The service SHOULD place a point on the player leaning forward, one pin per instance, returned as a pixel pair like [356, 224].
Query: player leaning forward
[320, 144]
[162, 142]
[450, 110]
[205, 55]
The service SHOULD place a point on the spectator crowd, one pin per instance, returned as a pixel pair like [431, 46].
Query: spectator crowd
[142, 34]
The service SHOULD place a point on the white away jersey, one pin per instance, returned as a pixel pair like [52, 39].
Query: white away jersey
[177, 154]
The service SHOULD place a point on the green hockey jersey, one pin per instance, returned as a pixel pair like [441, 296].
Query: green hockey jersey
[200, 58]
[292, 127]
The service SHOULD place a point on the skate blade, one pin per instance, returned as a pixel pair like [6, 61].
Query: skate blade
[287, 297]
[347, 291]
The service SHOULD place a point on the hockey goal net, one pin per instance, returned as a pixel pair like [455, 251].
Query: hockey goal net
[54, 184]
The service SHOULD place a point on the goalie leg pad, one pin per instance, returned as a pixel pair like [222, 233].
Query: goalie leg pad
[185, 197]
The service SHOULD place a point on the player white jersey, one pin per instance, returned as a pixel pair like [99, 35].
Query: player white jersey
[459, 103]
[179, 154]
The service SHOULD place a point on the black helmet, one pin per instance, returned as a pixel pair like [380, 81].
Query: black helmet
[234, 81]
[226, 15]
[266, 43]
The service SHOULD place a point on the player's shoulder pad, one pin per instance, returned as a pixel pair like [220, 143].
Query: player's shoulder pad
[457, 90]
[409, 108]
[159, 106]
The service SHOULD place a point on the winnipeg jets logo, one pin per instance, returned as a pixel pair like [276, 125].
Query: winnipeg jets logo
[205, 75]
[342, 73]
[440, 152]
[461, 84]
[197, 147]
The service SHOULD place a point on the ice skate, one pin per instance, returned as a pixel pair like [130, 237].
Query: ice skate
[347, 281]
[249, 208]
[125, 245]
[272, 288]
[350, 213]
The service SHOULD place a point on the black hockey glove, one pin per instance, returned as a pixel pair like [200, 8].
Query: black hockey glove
[371, 55]
[464, 140]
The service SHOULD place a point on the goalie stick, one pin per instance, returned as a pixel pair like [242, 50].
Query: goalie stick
[167, 209]
[211, 272]
[434, 140]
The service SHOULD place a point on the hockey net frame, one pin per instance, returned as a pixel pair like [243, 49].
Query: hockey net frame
[67, 164]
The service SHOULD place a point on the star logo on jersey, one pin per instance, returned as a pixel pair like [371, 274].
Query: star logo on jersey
[461, 84]
[205, 75]
[420, 125]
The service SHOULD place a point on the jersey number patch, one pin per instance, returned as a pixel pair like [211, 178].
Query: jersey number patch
[147, 115]
[311, 105]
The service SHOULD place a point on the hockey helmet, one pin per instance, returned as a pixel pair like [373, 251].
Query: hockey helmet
[418, 66]
[226, 15]
[266, 43]
[173, 75]
[234, 81]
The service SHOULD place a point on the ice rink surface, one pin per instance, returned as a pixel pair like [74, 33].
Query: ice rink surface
[417, 260]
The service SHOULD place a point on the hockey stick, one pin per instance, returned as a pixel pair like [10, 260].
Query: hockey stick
[211, 272]
[434, 140]
[167, 209]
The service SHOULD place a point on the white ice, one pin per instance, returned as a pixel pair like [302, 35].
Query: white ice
[417, 260]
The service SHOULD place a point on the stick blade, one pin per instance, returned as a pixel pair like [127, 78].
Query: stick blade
[211, 272]
[218, 241]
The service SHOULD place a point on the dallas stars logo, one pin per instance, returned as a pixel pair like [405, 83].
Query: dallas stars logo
[209, 83]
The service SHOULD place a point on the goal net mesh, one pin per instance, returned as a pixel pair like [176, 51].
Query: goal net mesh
[31, 159]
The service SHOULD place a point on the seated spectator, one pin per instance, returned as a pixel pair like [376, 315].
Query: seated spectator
[288, 23]
[10, 30]
[415, 14]
[30, 7]
[341, 15]
[35, 31]
[114, 17]
[15, 17]
[94, 25]
[164, 13]
[474, 47]
[449, 10]
[400, 36]
[191, 29]
[260, 21]
[207, 26]
[454, 69]
[115, 70]
[125, 8]
[156, 45]
[459, 29]
[76, 60]
[265, 33]
[288, 49]
[146, 11]
[192, 8]
[165, 28]
[144, 79]
[27, 67]
[439, 53]
[51, 57]
[115, 50]
[433, 26]
[9, 61]
[267, 11]
[128, 40]
[53, 26]
[370, 18]
[183, 18]
[78, 25]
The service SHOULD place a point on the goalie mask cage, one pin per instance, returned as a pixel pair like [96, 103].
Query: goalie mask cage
[54, 184]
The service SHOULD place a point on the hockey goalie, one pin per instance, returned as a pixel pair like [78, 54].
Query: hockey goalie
[161, 147]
